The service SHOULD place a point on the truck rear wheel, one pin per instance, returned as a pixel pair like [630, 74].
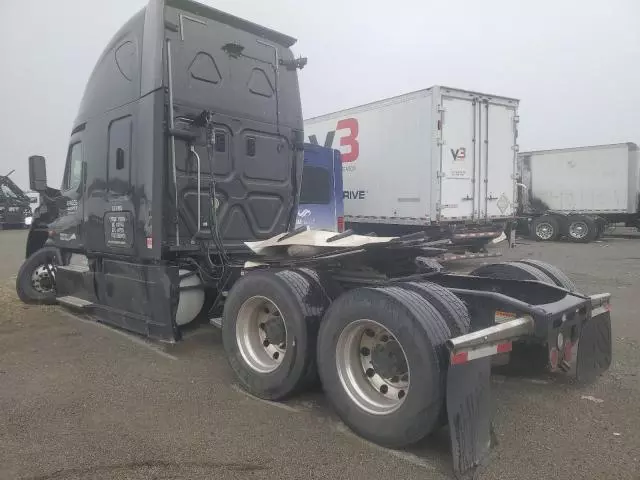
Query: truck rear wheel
[545, 228]
[269, 329]
[554, 273]
[452, 309]
[581, 229]
[512, 271]
[382, 362]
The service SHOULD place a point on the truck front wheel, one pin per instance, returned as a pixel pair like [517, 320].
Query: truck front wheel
[35, 282]
[383, 363]
[269, 327]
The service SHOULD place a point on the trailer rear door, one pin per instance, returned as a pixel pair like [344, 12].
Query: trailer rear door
[498, 150]
[457, 158]
[477, 157]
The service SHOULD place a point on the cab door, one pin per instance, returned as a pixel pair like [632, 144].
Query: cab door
[67, 227]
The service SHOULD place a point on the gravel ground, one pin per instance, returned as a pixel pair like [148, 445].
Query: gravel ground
[79, 400]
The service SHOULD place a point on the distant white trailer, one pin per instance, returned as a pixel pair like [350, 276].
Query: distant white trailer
[575, 192]
[441, 160]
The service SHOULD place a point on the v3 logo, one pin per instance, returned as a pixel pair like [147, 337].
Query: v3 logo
[349, 139]
[459, 154]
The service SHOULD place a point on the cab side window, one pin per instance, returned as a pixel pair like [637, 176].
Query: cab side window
[73, 170]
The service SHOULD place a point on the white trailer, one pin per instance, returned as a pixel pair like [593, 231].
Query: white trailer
[575, 192]
[439, 159]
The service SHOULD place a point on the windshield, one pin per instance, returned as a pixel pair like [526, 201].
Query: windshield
[316, 186]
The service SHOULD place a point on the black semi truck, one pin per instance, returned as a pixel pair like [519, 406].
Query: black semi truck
[178, 208]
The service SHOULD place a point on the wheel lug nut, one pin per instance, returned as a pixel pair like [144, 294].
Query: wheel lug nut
[266, 343]
[276, 355]
[365, 351]
[401, 394]
[384, 389]
[370, 372]
[369, 333]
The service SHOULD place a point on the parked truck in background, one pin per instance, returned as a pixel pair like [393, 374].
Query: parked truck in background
[439, 160]
[178, 207]
[15, 209]
[576, 192]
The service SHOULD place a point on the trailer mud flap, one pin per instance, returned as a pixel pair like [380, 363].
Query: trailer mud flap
[469, 415]
[594, 348]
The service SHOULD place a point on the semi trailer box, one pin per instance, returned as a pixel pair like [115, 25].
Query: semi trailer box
[588, 185]
[439, 157]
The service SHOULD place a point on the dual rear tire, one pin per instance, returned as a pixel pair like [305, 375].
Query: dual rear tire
[576, 228]
[380, 352]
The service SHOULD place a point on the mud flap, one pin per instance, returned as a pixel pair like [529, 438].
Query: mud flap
[594, 348]
[469, 415]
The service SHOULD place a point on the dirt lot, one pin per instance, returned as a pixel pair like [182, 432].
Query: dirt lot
[79, 400]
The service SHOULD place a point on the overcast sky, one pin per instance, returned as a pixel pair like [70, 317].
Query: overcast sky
[574, 64]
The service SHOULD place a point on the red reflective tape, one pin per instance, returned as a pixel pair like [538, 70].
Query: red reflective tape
[607, 307]
[504, 347]
[459, 358]
[568, 352]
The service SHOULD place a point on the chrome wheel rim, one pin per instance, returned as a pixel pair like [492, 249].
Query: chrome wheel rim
[261, 334]
[372, 367]
[578, 229]
[544, 231]
[43, 278]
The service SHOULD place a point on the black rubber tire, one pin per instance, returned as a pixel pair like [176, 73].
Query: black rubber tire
[553, 222]
[24, 288]
[302, 306]
[512, 271]
[553, 272]
[422, 333]
[592, 228]
[452, 308]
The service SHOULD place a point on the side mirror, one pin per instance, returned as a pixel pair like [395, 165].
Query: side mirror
[37, 173]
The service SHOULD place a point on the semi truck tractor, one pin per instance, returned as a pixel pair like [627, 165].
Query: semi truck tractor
[440, 160]
[178, 207]
[574, 193]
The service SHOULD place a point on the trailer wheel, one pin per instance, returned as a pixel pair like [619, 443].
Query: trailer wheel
[581, 229]
[545, 228]
[35, 282]
[557, 275]
[269, 329]
[383, 363]
[452, 309]
[512, 271]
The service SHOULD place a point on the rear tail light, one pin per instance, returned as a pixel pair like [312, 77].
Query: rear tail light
[340, 224]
